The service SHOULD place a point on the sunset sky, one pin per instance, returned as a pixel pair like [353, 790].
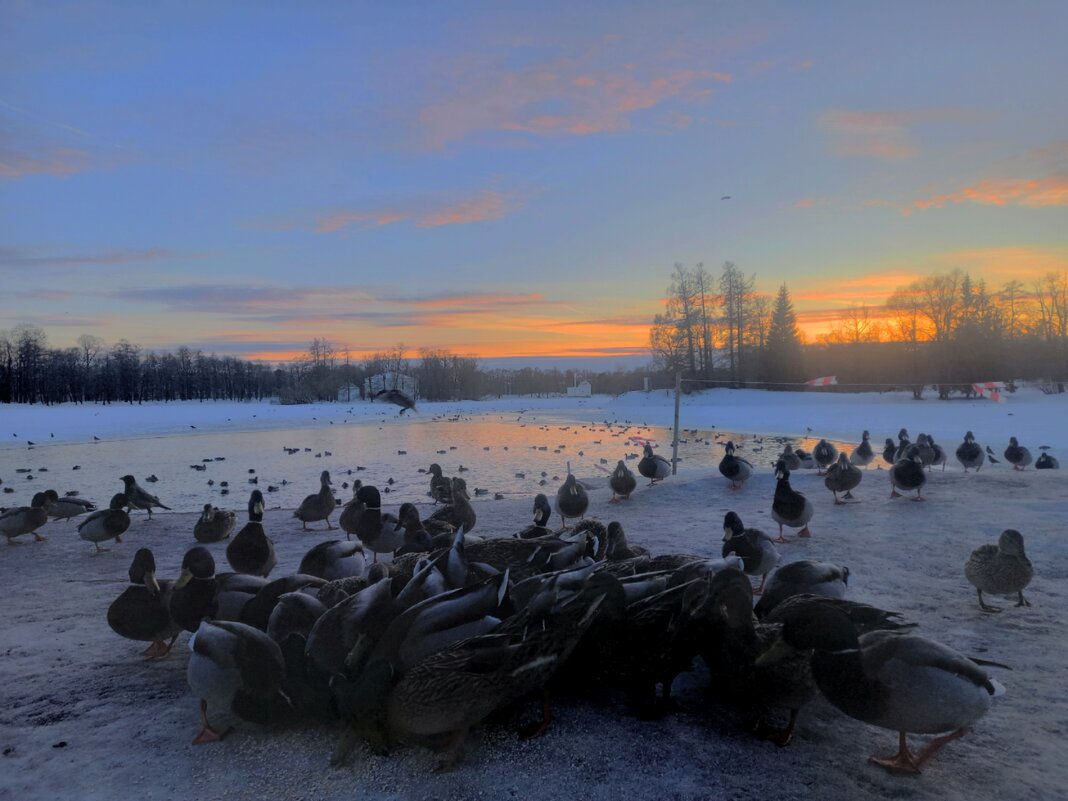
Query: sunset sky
[508, 179]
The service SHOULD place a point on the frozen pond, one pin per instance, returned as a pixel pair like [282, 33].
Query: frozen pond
[508, 454]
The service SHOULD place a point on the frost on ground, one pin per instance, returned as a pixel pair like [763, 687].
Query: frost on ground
[83, 715]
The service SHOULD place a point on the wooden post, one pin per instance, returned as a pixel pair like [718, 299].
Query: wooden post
[675, 439]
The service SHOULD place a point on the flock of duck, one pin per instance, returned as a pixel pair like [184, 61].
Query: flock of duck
[448, 629]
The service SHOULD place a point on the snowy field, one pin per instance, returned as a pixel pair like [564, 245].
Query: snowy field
[82, 715]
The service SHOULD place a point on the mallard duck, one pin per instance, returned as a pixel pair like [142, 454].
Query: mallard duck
[142, 611]
[897, 681]
[138, 498]
[440, 485]
[925, 450]
[214, 524]
[653, 466]
[843, 477]
[790, 458]
[351, 511]
[825, 454]
[571, 498]
[107, 524]
[542, 514]
[439, 531]
[319, 506]
[239, 668]
[759, 556]
[890, 452]
[907, 474]
[1017, 455]
[789, 507]
[903, 445]
[803, 577]
[68, 507]
[806, 459]
[459, 513]
[863, 454]
[970, 453]
[251, 550]
[622, 482]
[1001, 569]
[379, 533]
[397, 398]
[1047, 462]
[25, 519]
[617, 547]
[939, 457]
[294, 613]
[367, 614]
[333, 560]
[256, 612]
[193, 596]
[734, 468]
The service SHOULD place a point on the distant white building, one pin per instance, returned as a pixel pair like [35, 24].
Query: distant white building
[583, 389]
[348, 392]
[407, 384]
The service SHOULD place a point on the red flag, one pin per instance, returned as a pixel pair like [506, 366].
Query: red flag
[823, 381]
[990, 389]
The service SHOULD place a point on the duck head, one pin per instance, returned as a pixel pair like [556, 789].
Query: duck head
[118, 500]
[369, 496]
[208, 514]
[621, 470]
[435, 470]
[543, 512]
[198, 563]
[1011, 542]
[143, 570]
[843, 461]
[969, 436]
[1013, 442]
[781, 473]
[731, 597]
[459, 487]
[324, 478]
[732, 525]
[865, 436]
[729, 448]
[255, 506]
[822, 628]
[647, 449]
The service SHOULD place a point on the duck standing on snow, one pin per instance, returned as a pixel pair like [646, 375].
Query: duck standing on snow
[350, 513]
[141, 612]
[379, 533]
[214, 524]
[903, 445]
[622, 482]
[825, 454]
[459, 513]
[1001, 569]
[25, 519]
[893, 680]
[759, 556]
[68, 507]
[252, 551]
[925, 450]
[969, 453]
[440, 485]
[939, 453]
[1047, 462]
[789, 458]
[1017, 455]
[734, 468]
[890, 452]
[107, 524]
[138, 498]
[653, 466]
[318, 506]
[863, 454]
[843, 477]
[193, 596]
[571, 498]
[907, 474]
[542, 514]
[789, 507]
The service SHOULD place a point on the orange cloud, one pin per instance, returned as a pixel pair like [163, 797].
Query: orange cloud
[484, 205]
[881, 134]
[57, 162]
[1036, 193]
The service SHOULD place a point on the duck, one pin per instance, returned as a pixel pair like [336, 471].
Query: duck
[1017, 455]
[970, 453]
[459, 513]
[622, 482]
[397, 398]
[894, 680]
[907, 474]
[142, 611]
[843, 477]
[193, 595]
[734, 468]
[758, 554]
[803, 577]
[107, 524]
[67, 507]
[440, 485]
[379, 533]
[863, 454]
[617, 548]
[543, 512]
[825, 454]
[138, 498]
[239, 668]
[350, 513]
[571, 498]
[789, 507]
[333, 559]
[318, 506]
[653, 466]
[903, 445]
[25, 519]
[417, 533]
[790, 458]
[939, 453]
[925, 450]
[1001, 569]
[807, 461]
[1046, 461]
[251, 551]
[214, 524]
[890, 452]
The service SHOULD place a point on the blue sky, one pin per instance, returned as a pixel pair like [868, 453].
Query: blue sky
[510, 179]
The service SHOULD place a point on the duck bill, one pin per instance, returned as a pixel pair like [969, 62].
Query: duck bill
[151, 583]
[778, 652]
[183, 579]
[258, 508]
[727, 535]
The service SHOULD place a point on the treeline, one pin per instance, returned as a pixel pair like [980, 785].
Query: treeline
[93, 372]
[944, 330]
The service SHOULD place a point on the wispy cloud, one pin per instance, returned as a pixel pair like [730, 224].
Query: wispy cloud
[15, 258]
[1032, 193]
[885, 135]
[482, 206]
[57, 162]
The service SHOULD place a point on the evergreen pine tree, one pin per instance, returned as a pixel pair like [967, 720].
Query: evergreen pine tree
[782, 356]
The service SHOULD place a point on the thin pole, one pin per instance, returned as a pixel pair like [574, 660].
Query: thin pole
[675, 441]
